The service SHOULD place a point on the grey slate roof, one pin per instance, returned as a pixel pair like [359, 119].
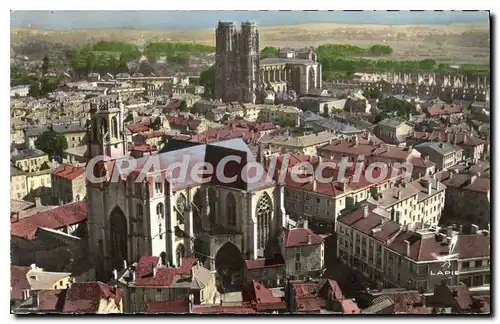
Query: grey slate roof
[441, 148]
[308, 117]
[277, 60]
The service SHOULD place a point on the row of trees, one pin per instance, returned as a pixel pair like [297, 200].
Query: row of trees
[392, 107]
[86, 60]
[177, 52]
[52, 143]
[40, 85]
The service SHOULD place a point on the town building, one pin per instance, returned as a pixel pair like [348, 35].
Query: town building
[68, 183]
[49, 236]
[279, 114]
[467, 198]
[318, 296]
[444, 155]
[271, 271]
[19, 91]
[393, 131]
[93, 298]
[473, 148]
[390, 254]
[18, 184]
[303, 145]
[304, 253]
[149, 281]
[36, 165]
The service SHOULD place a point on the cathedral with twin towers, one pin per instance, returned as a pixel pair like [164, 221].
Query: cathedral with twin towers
[242, 76]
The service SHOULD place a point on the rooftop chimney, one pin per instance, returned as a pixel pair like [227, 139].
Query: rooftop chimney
[115, 274]
[429, 187]
[474, 229]
[449, 231]
[399, 194]
[365, 211]
[38, 202]
[309, 239]
[124, 264]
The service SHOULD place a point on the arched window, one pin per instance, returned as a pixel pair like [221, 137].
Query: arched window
[159, 211]
[312, 78]
[104, 127]
[158, 187]
[114, 125]
[180, 252]
[212, 198]
[264, 218]
[180, 206]
[231, 209]
[163, 257]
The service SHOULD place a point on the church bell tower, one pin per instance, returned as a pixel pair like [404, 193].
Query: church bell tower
[106, 128]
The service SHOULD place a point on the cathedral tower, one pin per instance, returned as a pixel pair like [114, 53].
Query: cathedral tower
[237, 62]
[106, 128]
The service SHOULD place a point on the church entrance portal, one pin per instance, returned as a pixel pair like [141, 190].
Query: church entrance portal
[229, 266]
[118, 237]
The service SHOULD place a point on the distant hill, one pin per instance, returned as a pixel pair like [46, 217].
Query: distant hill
[455, 43]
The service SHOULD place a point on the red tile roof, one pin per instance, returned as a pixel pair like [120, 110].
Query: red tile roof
[86, 297]
[182, 121]
[381, 151]
[443, 109]
[463, 182]
[442, 136]
[68, 171]
[51, 300]
[349, 307]
[174, 306]
[241, 309]
[18, 281]
[409, 303]
[264, 263]
[138, 128]
[299, 237]
[422, 247]
[142, 147]
[336, 188]
[312, 296]
[164, 276]
[153, 134]
[55, 218]
[473, 246]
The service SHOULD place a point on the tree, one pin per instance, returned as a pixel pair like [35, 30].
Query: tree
[269, 51]
[34, 90]
[183, 106]
[45, 65]
[52, 143]
[207, 80]
[156, 124]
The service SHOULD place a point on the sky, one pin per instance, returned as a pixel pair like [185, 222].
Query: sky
[160, 19]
